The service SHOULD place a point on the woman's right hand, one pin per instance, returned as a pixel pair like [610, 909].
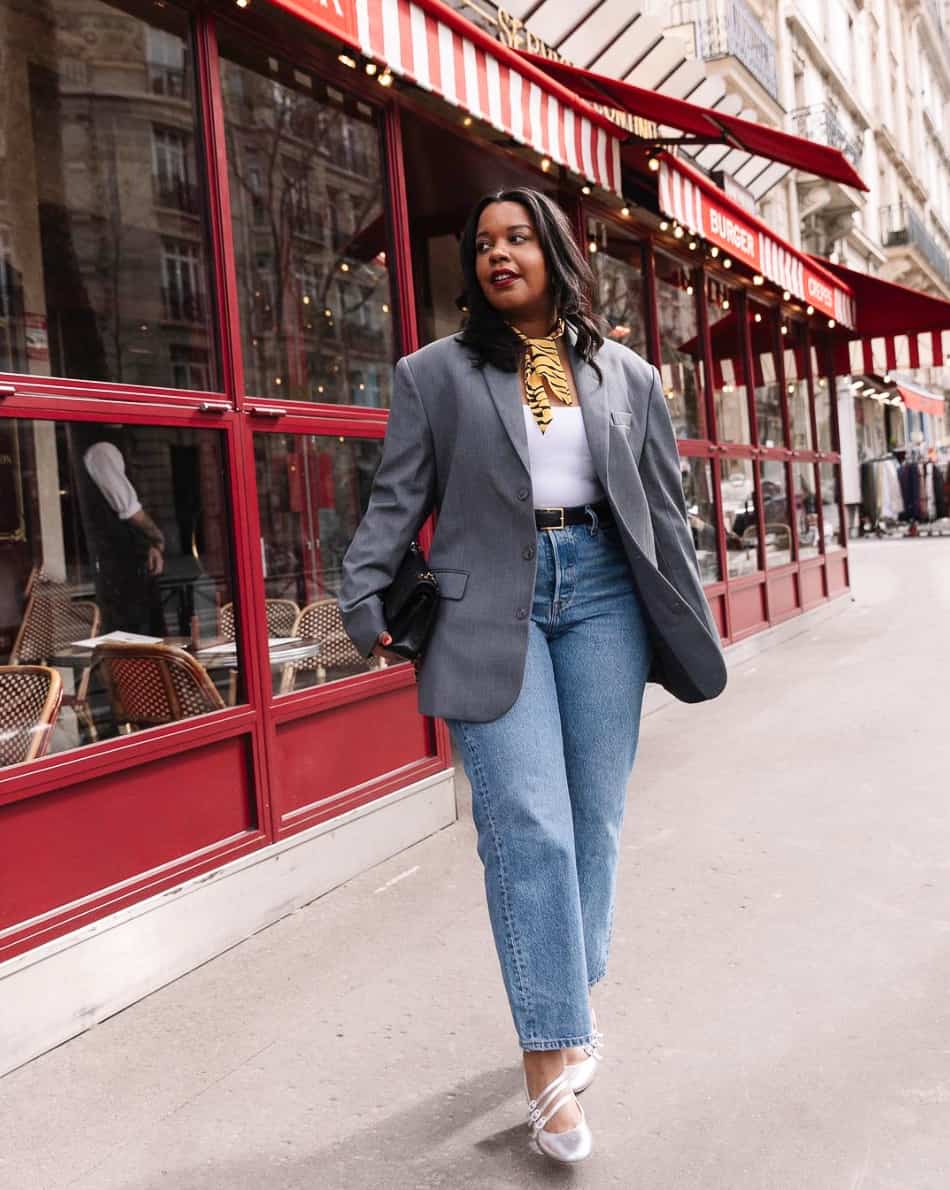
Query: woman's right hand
[380, 650]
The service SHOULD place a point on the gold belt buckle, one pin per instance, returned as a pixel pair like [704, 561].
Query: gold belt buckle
[551, 528]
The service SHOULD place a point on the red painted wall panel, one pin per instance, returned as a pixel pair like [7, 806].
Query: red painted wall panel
[811, 586]
[837, 571]
[783, 596]
[748, 609]
[717, 605]
[60, 847]
[321, 755]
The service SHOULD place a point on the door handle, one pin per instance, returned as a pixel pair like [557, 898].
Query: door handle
[266, 410]
[214, 407]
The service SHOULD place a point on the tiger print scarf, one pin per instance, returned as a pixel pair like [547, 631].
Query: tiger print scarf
[544, 374]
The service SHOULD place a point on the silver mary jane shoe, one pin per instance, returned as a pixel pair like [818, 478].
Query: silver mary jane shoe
[567, 1147]
[581, 1074]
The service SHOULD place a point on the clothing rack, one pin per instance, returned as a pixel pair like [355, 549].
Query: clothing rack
[905, 496]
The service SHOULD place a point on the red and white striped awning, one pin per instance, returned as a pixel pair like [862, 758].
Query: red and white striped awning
[440, 51]
[920, 400]
[701, 207]
[889, 353]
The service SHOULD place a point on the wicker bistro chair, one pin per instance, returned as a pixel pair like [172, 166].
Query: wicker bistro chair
[30, 697]
[154, 684]
[281, 616]
[52, 620]
[320, 622]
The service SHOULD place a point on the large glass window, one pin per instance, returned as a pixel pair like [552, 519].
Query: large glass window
[799, 413]
[729, 387]
[306, 184]
[103, 240]
[312, 491]
[681, 352]
[739, 514]
[778, 520]
[768, 390]
[830, 505]
[701, 513]
[806, 508]
[822, 405]
[619, 295]
[115, 571]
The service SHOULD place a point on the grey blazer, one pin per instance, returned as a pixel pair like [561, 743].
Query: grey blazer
[456, 443]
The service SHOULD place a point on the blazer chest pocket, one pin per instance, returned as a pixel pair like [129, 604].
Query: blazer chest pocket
[621, 419]
[452, 583]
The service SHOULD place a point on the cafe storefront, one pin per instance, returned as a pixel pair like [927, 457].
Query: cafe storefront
[225, 223]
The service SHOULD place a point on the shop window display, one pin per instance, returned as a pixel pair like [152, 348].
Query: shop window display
[619, 294]
[830, 474]
[729, 386]
[822, 404]
[739, 515]
[778, 520]
[312, 491]
[104, 251]
[796, 363]
[306, 188]
[681, 354]
[806, 508]
[768, 390]
[110, 534]
[701, 514]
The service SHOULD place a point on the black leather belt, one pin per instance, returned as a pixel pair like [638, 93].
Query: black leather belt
[560, 518]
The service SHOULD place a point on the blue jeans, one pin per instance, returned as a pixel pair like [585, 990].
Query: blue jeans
[549, 781]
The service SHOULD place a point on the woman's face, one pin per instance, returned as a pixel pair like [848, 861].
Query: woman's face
[509, 263]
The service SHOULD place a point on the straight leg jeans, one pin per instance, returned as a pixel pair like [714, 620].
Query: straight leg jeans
[549, 781]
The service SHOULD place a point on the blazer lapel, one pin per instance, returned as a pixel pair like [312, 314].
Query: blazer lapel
[505, 391]
[593, 398]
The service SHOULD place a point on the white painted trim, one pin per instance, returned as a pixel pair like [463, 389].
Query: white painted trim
[63, 987]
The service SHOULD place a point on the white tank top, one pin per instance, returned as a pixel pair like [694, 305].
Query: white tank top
[562, 470]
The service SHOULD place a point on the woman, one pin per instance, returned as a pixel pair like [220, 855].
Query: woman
[566, 570]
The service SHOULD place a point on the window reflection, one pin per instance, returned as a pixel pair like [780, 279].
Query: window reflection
[701, 513]
[312, 492]
[739, 515]
[113, 529]
[306, 188]
[768, 391]
[799, 413]
[778, 520]
[806, 508]
[729, 387]
[681, 353]
[103, 240]
[831, 507]
[822, 404]
[618, 275]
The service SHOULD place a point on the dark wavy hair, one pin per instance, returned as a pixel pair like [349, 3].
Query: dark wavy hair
[485, 332]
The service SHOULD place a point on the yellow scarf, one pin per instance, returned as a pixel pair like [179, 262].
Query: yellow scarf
[544, 374]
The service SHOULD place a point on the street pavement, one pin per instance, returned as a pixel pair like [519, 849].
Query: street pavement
[776, 1010]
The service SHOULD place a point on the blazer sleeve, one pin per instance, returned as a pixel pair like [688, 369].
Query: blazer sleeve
[402, 497]
[663, 485]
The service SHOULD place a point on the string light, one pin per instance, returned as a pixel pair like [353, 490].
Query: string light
[242, 3]
[347, 61]
[592, 246]
[714, 251]
[678, 232]
[344, 267]
[809, 309]
[545, 164]
[758, 317]
[785, 295]
[386, 79]
[654, 164]
[784, 330]
[664, 225]
[693, 245]
[831, 324]
[585, 189]
[726, 303]
[385, 307]
[689, 289]
[371, 68]
[758, 279]
[468, 121]
[625, 211]
[726, 262]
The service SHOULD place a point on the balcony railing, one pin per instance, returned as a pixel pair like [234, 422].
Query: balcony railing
[182, 306]
[178, 194]
[729, 28]
[820, 123]
[901, 225]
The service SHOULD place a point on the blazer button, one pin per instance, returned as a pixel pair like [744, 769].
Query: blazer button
[528, 553]
[523, 493]
[522, 613]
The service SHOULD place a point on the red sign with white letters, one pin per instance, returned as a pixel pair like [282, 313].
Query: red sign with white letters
[336, 16]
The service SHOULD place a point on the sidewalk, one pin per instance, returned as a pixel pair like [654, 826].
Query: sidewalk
[777, 1013]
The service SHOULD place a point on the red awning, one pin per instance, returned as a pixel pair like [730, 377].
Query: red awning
[703, 123]
[920, 401]
[895, 327]
[689, 197]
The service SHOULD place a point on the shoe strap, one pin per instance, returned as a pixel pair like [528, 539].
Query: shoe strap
[549, 1102]
[595, 1047]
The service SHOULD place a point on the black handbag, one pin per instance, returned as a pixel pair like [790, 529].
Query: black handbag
[410, 605]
